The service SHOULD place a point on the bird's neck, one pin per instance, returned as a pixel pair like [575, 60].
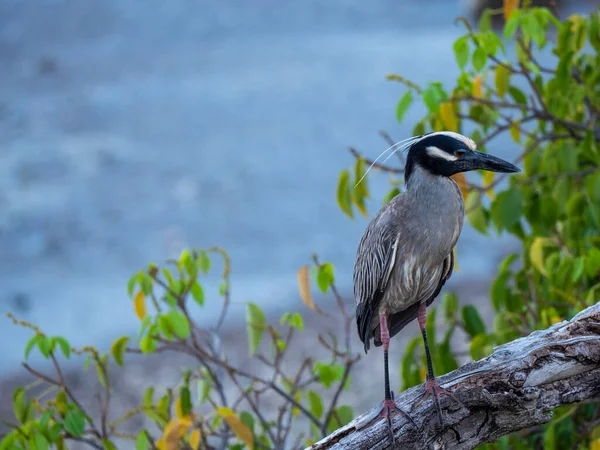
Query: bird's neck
[432, 190]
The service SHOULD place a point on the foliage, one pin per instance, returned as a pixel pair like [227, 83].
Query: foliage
[552, 208]
[216, 404]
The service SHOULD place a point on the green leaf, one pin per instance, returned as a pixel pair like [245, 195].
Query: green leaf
[43, 344]
[179, 323]
[247, 419]
[327, 373]
[20, 404]
[203, 391]
[108, 445]
[578, 269]
[147, 344]
[476, 214]
[39, 442]
[204, 261]
[75, 422]
[344, 196]
[478, 347]
[64, 346]
[473, 323]
[142, 442]
[31, 343]
[479, 59]
[511, 25]
[485, 21]
[390, 195]
[131, 284]
[118, 348]
[403, 105]
[450, 304]
[362, 189]
[325, 276]
[101, 368]
[147, 401]
[517, 95]
[186, 400]
[315, 405]
[342, 415]
[461, 51]
[255, 319]
[433, 96]
[502, 80]
[507, 208]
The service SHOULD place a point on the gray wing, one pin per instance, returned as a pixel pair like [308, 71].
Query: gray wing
[399, 320]
[374, 263]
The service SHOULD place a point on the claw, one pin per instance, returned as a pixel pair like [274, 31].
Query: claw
[387, 409]
[433, 389]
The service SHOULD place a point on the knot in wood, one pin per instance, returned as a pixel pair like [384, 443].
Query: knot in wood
[531, 393]
[517, 379]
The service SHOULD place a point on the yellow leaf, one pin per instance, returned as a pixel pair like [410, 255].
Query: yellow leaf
[240, 429]
[461, 181]
[456, 268]
[195, 439]
[595, 444]
[423, 373]
[139, 304]
[174, 430]
[509, 6]
[304, 285]
[449, 117]
[515, 132]
[488, 179]
[501, 80]
[477, 89]
[178, 411]
[536, 254]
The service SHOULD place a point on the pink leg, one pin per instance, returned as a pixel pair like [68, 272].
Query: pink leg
[432, 389]
[388, 407]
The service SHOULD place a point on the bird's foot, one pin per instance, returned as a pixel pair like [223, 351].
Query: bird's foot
[387, 409]
[433, 389]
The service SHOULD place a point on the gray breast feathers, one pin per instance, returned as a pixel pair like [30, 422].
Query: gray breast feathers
[402, 261]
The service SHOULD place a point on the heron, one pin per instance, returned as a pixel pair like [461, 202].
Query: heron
[406, 253]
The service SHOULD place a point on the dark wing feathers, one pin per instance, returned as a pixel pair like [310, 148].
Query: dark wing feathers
[399, 320]
[371, 273]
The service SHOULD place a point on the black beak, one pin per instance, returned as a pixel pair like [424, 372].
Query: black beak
[478, 160]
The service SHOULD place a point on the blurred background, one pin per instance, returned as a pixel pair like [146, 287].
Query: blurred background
[130, 129]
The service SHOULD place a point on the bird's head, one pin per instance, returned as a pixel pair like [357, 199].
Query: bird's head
[446, 153]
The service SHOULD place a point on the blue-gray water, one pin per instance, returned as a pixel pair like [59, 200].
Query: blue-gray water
[132, 128]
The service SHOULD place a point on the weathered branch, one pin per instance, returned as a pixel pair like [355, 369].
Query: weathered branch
[515, 388]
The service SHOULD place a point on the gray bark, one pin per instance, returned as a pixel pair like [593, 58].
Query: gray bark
[516, 387]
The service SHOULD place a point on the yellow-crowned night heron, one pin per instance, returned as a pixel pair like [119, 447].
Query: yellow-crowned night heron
[406, 253]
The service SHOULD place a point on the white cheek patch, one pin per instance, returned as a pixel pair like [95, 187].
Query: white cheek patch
[441, 154]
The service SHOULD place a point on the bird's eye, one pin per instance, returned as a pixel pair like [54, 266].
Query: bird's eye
[459, 153]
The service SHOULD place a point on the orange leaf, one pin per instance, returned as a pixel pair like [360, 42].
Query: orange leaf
[304, 285]
[174, 430]
[477, 89]
[240, 429]
[139, 304]
[509, 6]
[463, 185]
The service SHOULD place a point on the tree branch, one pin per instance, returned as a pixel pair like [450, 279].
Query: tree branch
[514, 388]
